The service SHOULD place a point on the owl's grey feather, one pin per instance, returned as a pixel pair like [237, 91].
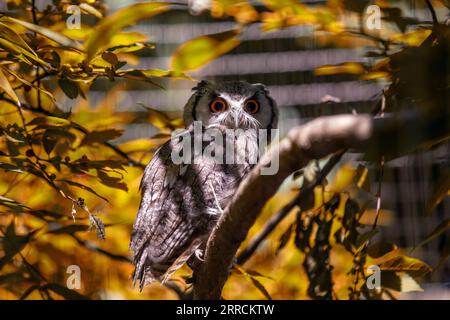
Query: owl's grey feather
[181, 202]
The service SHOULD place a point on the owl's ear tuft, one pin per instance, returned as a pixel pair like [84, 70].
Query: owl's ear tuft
[262, 87]
[201, 85]
[190, 109]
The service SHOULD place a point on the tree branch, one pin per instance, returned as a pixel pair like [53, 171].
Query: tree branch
[283, 213]
[314, 140]
[432, 11]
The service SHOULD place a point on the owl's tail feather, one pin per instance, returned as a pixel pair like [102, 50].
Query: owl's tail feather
[178, 263]
[147, 274]
[140, 273]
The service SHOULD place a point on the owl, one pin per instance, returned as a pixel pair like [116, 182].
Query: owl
[181, 202]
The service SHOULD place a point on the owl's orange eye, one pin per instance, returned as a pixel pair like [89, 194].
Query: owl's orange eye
[252, 106]
[218, 105]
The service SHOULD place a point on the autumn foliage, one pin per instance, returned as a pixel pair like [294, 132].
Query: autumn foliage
[69, 190]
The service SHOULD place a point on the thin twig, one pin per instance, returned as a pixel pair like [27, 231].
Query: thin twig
[35, 21]
[378, 195]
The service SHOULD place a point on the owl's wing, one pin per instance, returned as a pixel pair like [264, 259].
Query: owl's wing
[176, 212]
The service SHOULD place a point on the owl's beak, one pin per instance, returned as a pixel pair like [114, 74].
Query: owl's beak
[235, 119]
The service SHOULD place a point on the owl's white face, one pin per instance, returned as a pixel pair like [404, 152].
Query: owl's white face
[235, 104]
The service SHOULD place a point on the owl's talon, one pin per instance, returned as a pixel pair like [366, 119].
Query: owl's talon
[198, 254]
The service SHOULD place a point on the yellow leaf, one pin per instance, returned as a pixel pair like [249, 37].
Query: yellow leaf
[343, 178]
[197, 52]
[52, 35]
[406, 264]
[272, 21]
[9, 33]
[119, 20]
[91, 10]
[363, 173]
[123, 39]
[6, 86]
[385, 217]
[142, 145]
[41, 89]
[21, 53]
[375, 75]
[49, 120]
[142, 74]
[414, 38]
[242, 11]
[347, 67]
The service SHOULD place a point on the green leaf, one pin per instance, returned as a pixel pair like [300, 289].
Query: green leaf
[197, 52]
[122, 18]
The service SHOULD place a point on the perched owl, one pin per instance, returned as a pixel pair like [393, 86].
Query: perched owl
[181, 202]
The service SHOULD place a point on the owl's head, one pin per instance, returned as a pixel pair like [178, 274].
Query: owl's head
[233, 104]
